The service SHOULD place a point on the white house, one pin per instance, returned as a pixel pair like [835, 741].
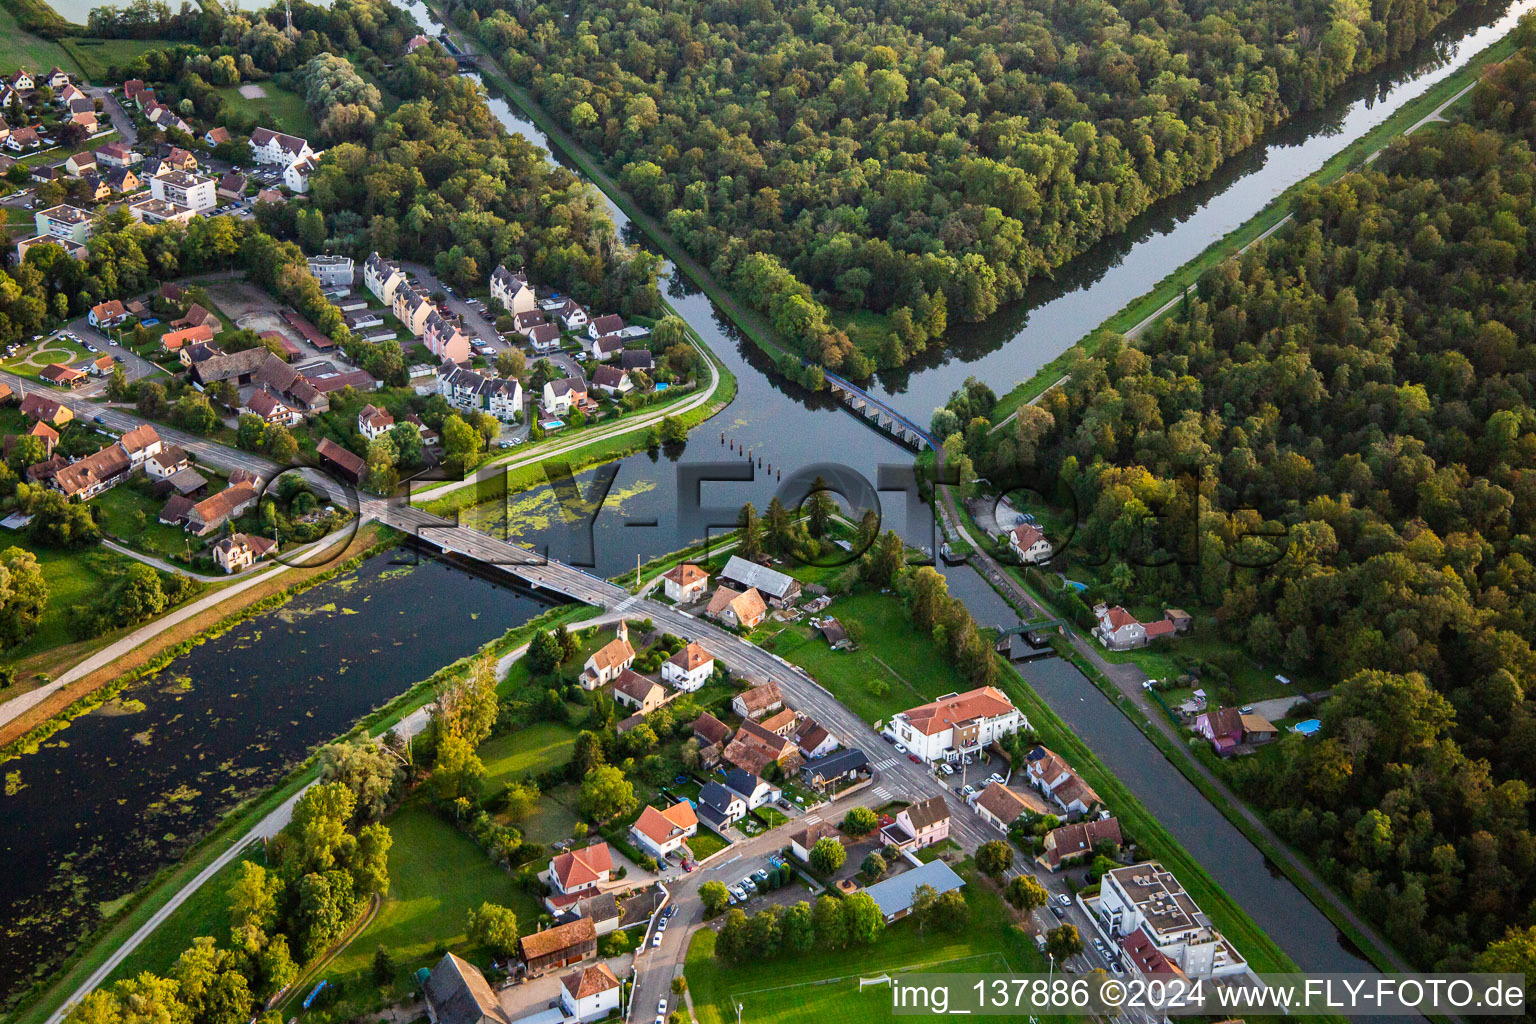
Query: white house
[684, 583]
[720, 807]
[609, 323]
[373, 422]
[581, 870]
[611, 380]
[813, 739]
[141, 443]
[512, 291]
[194, 192]
[560, 395]
[607, 662]
[331, 271]
[1029, 544]
[688, 669]
[270, 147]
[801, 841]
[1147, 899]
[297, 174]
[755, 791]
[572, 315]
[1119, 630]
[1051, 775]
[382, 277]
[591, 993]
[956, 724]
[468, 390]
[660, 833]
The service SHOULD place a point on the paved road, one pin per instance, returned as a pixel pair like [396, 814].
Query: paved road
[1128, 678]
[898, 777]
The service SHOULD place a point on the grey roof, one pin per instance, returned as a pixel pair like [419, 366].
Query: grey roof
[715, 797]
[459, 994]
[750, 574]
[840, 763]
[742, 781]
[894, 895]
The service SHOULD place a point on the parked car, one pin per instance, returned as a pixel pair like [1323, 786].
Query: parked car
[1061, 915]
[901, 748]
[946, 769]
[967, 790]
[914, 759]
[1246, 709]
[1064, 899]
[656, 941]
[661, 1007]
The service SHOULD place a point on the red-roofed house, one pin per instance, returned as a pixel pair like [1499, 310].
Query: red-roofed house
[581, 870]
[684, 583]
[1029, 544]
[661, 832]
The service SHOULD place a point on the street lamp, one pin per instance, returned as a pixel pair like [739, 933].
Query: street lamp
[738, 1013]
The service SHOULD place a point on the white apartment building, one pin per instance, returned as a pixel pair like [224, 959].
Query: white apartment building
[1148, 898]
[193, 192]
[956, 724]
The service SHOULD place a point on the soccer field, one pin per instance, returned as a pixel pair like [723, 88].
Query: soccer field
[839, 1000]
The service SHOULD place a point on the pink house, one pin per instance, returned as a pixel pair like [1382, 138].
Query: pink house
[919, 825]
[1224, 728]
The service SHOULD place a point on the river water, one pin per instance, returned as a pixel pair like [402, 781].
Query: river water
[125, 790]
[266, 692]
[652, 502]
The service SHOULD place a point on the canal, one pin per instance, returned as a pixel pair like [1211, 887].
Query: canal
[653, 500]
[126, 790]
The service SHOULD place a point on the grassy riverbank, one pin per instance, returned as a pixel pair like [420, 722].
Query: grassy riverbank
[206, 907]
[1144, 311]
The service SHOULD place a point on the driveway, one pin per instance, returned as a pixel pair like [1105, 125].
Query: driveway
[475, 325]
[121, 122]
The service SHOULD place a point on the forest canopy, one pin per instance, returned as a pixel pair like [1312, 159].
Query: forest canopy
[1363, 381]
[924, 160]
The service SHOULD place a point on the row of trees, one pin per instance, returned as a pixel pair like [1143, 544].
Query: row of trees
[1363, 384]
[832, 924]
[920, 160]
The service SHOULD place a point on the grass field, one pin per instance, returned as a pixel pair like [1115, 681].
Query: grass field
[891, 654]
[279, 108]
[206, 912]
[22, 49]
[120, 508]
[826, 986]
[436, 876]
[513, 755]
[706, 843]
[95, 56]
[74, 578]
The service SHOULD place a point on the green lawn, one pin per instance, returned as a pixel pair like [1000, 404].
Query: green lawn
[893, 655]
[769, 996]
[74, 578]
[22, 49]
[706, 843]
[119, 509]
[95, 56]
[436, 876]
[206, 912]
[280, 108]
[33, 358]
[527, 751]
[554, 819]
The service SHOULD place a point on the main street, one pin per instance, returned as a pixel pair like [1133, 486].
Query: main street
[895, 774]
